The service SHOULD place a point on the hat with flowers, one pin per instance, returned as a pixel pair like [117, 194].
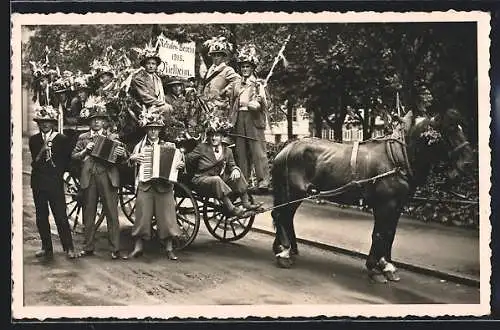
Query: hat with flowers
[94, 107]
[218, 45]
[45, 113]
[149, 51]
[151, 117]
[248, 54]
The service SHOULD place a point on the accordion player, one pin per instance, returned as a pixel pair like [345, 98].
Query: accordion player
[105, 149]
[160, 163]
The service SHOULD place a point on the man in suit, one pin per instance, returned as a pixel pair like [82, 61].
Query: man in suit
[99, 179]
[50, 157]
[219, 76]
[146, 86]
[216, 174]
[248, 117]
[155, 197]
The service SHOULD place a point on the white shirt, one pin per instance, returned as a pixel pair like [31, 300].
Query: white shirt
[45, 136]
[218, 155]
[94, 133]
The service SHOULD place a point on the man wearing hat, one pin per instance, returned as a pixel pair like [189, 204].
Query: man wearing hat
[107, 85]
[216, 174]
[219, 76]
[99, 179]
[50, 155]
[82, 90]
[154, 197]
[248, 117]
[146, 86]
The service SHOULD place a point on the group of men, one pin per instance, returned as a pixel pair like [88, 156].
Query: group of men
[216, 172]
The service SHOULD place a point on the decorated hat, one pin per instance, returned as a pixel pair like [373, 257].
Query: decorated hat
[248, 54]
[151, 117]
[94, 107]
[61, 85]
[149, 51]
[217, 125]
[218, 45]
[80, 83]
[173, 81]
[45, 113]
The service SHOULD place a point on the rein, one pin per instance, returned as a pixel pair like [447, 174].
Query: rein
[458, 148]
[337, 191]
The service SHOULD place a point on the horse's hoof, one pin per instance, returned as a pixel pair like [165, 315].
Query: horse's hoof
[392, 276]
[284, 262]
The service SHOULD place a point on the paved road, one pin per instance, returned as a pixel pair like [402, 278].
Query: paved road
[210, 272]
[448, 249]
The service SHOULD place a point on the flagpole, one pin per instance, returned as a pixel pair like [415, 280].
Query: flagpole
[276, 60]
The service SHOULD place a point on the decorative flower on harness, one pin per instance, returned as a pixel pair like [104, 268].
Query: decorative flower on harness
[248, 54]
[46, 112]
[94, 107]
[431, 136]
[218, 45]
[151, 116]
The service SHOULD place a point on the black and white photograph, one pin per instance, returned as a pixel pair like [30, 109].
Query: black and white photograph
[257, 164]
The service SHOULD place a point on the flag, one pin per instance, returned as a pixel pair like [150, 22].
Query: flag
[285, 61]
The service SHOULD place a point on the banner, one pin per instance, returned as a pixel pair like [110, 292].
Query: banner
[177, 58]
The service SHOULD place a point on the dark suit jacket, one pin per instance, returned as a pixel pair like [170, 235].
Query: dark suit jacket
[43, 175]
[142, 88]
[202, 162]
[90, 163]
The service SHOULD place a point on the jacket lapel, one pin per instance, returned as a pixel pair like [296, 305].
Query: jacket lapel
[213, 74]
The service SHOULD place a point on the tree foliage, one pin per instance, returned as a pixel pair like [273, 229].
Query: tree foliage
[432, 66]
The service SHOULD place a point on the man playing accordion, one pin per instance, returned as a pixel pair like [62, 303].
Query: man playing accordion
[99, 179]
[155, 197]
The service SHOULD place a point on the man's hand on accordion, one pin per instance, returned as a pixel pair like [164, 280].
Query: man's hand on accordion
[90, 146]
[180, 165]
[137, 157]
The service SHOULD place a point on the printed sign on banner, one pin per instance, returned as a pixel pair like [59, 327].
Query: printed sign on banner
[177, 58]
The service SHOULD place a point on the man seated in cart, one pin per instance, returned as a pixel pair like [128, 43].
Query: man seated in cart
[217, 175]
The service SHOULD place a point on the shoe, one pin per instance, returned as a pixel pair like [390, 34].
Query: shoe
[137, 252]
[252, 207]
[171, 255]
[85, 253]
[43, 253]
[71, 254]
[117, 255]
[263, 185]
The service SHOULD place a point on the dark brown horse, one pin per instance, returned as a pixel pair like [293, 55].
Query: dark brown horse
[400, 163]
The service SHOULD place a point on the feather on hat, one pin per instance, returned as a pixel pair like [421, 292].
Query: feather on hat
[149, 51]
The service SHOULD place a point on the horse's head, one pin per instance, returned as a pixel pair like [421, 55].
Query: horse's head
[442, 138]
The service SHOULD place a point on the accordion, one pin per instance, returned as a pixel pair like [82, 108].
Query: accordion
[160, 163]
[105, 149]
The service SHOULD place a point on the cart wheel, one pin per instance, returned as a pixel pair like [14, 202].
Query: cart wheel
[222, 227]
[188, 215]
[74, 199]
[74, 203]
[127, 197]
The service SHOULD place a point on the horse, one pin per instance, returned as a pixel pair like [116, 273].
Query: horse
[384, 172]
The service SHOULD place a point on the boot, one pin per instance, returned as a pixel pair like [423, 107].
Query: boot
[138, 249]
[245, 201]
[169, 247]
[230, 208]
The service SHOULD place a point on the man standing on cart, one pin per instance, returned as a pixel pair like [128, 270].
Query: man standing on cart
[155, 197]
[99, 179]
[248, 117]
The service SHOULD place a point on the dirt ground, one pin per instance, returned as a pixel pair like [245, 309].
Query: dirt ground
[213, 273]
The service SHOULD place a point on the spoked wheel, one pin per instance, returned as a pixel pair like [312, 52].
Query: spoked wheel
[74, 199]
[186, 208]
[74, 203]
[127, 197]
[188, 215]
[223, 227]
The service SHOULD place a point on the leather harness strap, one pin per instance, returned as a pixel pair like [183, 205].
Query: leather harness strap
[354, 156]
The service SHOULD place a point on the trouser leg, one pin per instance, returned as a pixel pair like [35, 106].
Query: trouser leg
[58, 207]
[166, 218]
[89, 212]
[40, 199]
[241, 146]
[109, 199]
[259, 156]
[144, 210]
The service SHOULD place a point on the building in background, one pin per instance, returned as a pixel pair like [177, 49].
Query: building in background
[277, 132]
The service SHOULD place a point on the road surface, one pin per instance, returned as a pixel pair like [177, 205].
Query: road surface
[210, 272]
